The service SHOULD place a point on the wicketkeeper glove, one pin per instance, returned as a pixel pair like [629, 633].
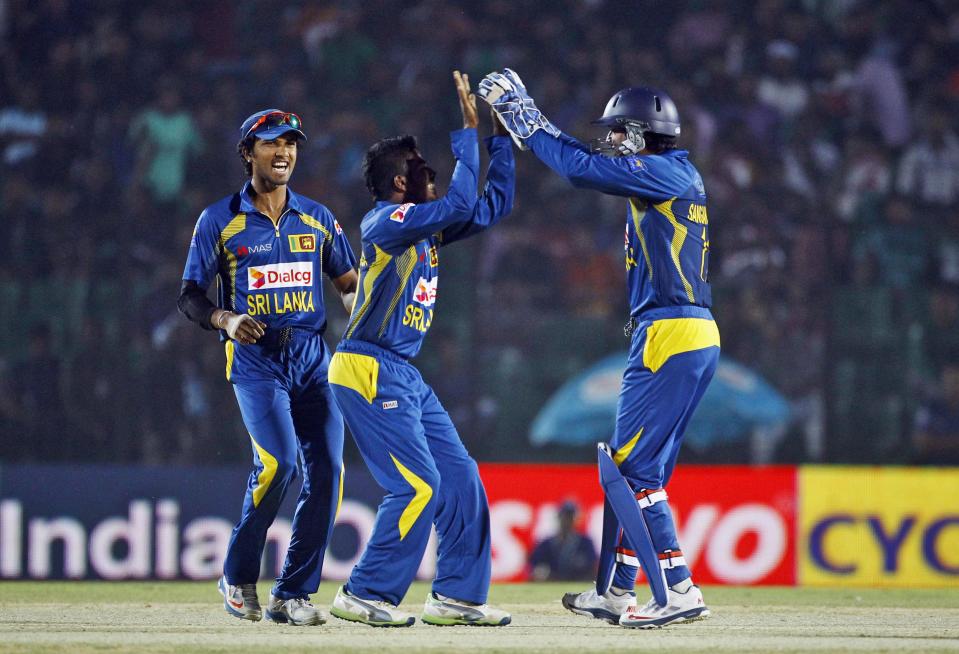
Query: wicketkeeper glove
[507, 95]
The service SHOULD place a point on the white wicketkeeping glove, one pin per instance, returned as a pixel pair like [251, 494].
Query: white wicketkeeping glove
[507, 95]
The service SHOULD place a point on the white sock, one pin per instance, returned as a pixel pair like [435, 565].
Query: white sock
[619, 592]
[683, 586]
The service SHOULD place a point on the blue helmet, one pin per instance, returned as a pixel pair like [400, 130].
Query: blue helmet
[651, 109]
[638, 111]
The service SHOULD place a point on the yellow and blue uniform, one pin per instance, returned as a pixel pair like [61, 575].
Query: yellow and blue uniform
[273, 272]
[403, 432]
[674, 345]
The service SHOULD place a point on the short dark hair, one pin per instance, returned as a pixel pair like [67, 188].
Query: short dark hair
[385, 160]
[244, 147]
[657, 143]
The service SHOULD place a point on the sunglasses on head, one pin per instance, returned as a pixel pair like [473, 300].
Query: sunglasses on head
[275, 119]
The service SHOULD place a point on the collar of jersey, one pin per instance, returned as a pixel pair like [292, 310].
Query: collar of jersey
[246, 205]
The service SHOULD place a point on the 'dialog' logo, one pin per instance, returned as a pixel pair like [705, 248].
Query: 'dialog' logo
[425, 291]
[280, 275]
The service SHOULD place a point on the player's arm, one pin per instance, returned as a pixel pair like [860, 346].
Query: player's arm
[201, 266]
[497, 198]
[339, 262]
[195, 305]
[632, 176]
[410, 223]
[345, 285]
[627, 176]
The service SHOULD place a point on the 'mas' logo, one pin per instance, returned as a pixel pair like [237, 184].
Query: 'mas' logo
[425, 292]
[244, 250]
[280, 275]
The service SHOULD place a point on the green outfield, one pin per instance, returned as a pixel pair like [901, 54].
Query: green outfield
[188, 617]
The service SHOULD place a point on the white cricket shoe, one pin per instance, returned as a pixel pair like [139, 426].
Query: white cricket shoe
[297, 611]
[680, 607]
[240, 600]
[607, 606]
[444, 611]
[375, 613]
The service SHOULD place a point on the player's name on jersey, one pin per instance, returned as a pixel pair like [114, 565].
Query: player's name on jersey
[260, 304]
[697, 214]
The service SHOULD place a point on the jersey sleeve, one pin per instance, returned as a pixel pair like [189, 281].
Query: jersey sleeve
[497, 198]
[632, 176]
[202, 258]
[338, 257]
[409, 223]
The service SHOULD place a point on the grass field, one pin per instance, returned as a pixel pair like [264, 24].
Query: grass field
[172, 617]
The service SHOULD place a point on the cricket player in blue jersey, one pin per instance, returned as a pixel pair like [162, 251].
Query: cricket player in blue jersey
[403, 432]
[267, 247]
[674, 342]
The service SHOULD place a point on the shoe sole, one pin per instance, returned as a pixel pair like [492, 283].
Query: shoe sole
[599, 614]
[282, 618]
[355, 617]
[454, 622]
[693, 615]
[252, 617]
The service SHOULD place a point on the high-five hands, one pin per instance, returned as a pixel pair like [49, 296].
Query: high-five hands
[507, 96]
[467, 100]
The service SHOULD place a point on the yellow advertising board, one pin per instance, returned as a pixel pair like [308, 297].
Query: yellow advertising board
[874, 526]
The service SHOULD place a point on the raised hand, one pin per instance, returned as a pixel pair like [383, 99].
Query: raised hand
[467, 100]
[507, 96]
[496, 88]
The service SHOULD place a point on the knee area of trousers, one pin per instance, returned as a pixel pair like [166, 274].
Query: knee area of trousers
[432, 479]
[324, 470]
[466, 472]
[285, 470]
[421, 482]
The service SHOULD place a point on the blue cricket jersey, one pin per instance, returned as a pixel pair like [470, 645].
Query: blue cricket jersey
[271, 272]
[667, 229]
[399, 263]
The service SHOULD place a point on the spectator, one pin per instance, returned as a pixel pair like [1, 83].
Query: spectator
[781, 87]
[567, 555]
[929, 170]
[22, 126]
[935, 437]
[165, 136]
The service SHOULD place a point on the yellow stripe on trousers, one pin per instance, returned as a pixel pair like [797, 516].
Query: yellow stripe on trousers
[419, 501]
[623, 453]
[265, 478]
[230, 349]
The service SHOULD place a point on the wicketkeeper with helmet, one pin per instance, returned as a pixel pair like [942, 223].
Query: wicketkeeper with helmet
[674, 342]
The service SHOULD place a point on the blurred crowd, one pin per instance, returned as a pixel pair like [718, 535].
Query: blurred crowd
[825, 131]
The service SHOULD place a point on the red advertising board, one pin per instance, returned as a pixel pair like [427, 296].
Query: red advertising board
[736, 523]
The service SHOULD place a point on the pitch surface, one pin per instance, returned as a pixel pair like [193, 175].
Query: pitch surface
[189, 617]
